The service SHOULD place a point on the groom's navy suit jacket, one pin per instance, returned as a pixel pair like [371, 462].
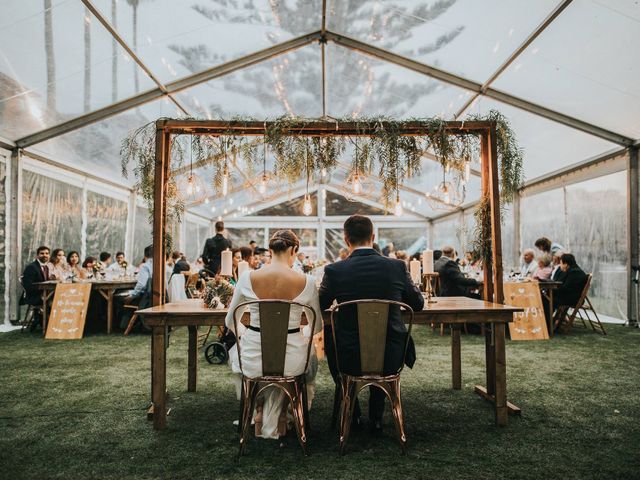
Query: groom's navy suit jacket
[366, 274]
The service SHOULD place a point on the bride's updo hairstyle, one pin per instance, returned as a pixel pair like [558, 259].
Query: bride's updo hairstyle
[282, 240]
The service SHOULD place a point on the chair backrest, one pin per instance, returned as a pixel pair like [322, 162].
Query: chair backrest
[585, 291]
[193, 279]
[176, 290]
[373, 322]
[274, 329]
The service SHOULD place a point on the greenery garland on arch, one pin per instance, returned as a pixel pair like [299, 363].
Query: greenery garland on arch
[387, 153]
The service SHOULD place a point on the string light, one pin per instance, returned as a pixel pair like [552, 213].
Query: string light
[225, 180]
[307, 208]
[398, 211]
[356, 185]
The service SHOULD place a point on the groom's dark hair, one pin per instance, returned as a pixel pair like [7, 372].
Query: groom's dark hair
[358, 229]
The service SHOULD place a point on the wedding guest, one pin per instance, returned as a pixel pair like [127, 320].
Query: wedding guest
[543, 271]
[573, 282]
[248, 256]
[367, 274]
[389, 249]
[276, 281]
[141, 293]
[88, 265]
[237, 256]
[452, 281]
[36, 271]
[253, 245]
[117, 265]
[59, 270]
[547, 246]
[298, 263]
[105, 259]
[213, 248]
[401, 255]
[263, 257]
[73, 260]
[343, 253]
[376, 247]
[528, 265]
[556, 271]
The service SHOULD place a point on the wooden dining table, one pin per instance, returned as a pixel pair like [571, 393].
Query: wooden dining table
[106, 289]
[453, 311]
[546, 290]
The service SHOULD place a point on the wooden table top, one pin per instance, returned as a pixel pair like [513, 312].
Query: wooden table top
[97, 283]
[443, 305]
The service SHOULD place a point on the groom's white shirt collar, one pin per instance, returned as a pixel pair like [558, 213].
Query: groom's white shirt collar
[363, 248]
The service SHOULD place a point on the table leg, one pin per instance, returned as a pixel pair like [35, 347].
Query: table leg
[550, 312]
[192, 369]
[44, 312]
[456, 368]
[159, 377]
[490, 354]
[500, 371]
[109, 310]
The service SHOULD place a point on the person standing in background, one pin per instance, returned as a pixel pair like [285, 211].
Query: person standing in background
[213, 248]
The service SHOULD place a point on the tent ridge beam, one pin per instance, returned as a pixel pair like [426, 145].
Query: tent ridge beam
[170, 88]
[528, 41]
[476, 87]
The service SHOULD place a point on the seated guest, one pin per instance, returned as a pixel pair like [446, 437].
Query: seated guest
[253, 245]
[401, 255]
[180, 263]
[248, 256]
[236, 257]
[144, 275]
[437, 254]
[556, 272]
[343, 253]
[36, 271]
[376, 247]
[452, 281]
[117, 266]
[59, 270]
[73, 260]
[105, 259]
[366, 274]
[473, 263]
[544, 268]
[263, 257]
[298, 263]
[389, 250]
[87, 266]
[573, 282]
[276, 281]
[547, 246]
[528, 266]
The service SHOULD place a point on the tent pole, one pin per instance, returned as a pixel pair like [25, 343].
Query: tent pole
[633, 215]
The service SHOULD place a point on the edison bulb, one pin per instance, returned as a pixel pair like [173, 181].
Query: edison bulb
[262, 187]
[357, 185]
[206, 201]
[225, 185]
[398, 210]
[306, 206]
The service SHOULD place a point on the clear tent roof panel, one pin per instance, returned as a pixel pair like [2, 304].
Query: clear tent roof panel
[466, 37]
[289, 84]
[359, 85]
[175, 39]
[29, 101]
[586, 64]
[96, 147]
[547, 146]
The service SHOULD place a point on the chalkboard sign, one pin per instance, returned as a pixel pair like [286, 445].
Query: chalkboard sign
[68, 311]
[530, 324]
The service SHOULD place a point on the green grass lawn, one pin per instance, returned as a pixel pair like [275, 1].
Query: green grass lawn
[76, 409]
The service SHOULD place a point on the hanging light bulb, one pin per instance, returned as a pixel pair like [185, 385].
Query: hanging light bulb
[357, 185]
[398, 211]
[307, 208]
[206, 201]
[262, 186]
[190, 185]
[190, 188]
[225, 180]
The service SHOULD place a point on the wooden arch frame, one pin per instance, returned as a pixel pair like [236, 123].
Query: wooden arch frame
[493, 288]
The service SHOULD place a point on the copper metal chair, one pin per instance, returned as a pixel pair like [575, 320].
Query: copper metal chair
[274, 329]
[373, 319]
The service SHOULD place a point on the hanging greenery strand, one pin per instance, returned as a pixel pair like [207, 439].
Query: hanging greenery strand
[380, 143]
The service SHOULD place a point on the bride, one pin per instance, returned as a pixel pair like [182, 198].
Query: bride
[275, 281]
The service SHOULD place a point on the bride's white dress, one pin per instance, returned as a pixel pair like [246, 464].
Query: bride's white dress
[296, 347]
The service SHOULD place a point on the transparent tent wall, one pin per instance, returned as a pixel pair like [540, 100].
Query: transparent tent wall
[142, 235]
[51, 215]
[196, 237]
[106, 224]
[3, 237]
[589, 220]
[242, 236]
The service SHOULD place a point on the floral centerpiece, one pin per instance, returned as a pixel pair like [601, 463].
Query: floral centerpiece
[97, 268]
[308, 265]
[217, 293]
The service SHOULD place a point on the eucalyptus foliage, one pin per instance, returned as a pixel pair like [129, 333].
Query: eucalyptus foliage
[381, 148]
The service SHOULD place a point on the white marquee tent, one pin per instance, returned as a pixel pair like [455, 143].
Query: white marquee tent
[76, 76]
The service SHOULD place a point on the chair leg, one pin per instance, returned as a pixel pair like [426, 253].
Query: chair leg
[131, 324]
[337, 399]
[396, 409]
[249, 388]
[598, 322]
[298, 410]
[348, 404]
[305, 403]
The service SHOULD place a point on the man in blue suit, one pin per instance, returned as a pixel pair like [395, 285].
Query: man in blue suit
[365, 274]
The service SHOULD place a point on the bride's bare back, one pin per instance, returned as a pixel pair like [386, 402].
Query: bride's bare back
[277, 282]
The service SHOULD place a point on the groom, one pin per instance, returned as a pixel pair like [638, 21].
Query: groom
[365, 274]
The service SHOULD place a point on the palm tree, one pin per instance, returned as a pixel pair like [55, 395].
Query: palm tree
[87, 60]
[50, 57]
[114, 54]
